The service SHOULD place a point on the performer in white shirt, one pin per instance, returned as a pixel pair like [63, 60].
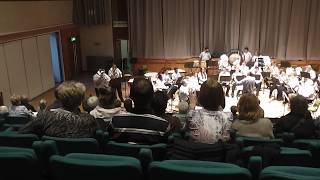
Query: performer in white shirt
[244, 69]
[247, 57]
[159, 83]
[258, 77]
[202, 75]
[312, 73]
[175, 75]
[224, 61]
[115, 82]
[204, 56]
[100, 80]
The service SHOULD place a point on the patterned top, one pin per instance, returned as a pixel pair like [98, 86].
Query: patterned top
[62, 123]
[209, 126]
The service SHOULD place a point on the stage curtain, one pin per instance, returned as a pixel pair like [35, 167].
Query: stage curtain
[286, 29]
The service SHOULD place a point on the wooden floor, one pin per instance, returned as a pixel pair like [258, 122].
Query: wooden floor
[86, 79]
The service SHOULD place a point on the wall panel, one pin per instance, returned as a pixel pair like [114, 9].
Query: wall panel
[32, 65]
[4, 81]
[45, 62]
[16, 68]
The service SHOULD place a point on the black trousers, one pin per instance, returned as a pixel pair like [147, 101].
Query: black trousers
[116, 84]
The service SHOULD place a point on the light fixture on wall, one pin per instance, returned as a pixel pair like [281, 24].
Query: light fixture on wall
[73, 40]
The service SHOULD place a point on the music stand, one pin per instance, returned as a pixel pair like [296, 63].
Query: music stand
[239, 78]
[225, 78]
[257, 77]
[305, 74]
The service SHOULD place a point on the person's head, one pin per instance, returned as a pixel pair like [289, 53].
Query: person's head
[249, 108]
[203, 69]
[89, 103]
[206, 49]
[245, 49]
[101, 72]
[71, 94]
[160, 77]
[15, 100]
[141, 92]
[233, 110]
[159, 103]
[183, 107]
[176, 70]
[114, 66]
[299, 105]
[211, 95]
[24, 99]
[107, 97]
[42, 104]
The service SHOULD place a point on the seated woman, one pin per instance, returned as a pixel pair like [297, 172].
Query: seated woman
[250, 122]
[210, 124]
[108, 105]
[17, 109]
[67, 121]
[298, 120]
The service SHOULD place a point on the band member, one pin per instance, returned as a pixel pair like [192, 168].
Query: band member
[225, 83]
[202, 75]
[248, 83]
[224, 61]
[244, 69]
[176, 74]
[256, 72]
[165, 77]
[247, 57]
[204, 56]
[312, 73]
[115, 82]
[307, 89]
[100, 80]
[279, 82]
[159, 83]
[234, 76]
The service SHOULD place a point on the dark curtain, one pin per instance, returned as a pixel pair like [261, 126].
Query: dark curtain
[284, 29]
[91, 12]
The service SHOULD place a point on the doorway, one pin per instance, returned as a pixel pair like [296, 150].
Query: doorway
[55, 58]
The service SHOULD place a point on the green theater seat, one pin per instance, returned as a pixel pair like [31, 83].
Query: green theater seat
[17, 140]
[290, 173]
[18, 163]
[80, 166]
[190, 169]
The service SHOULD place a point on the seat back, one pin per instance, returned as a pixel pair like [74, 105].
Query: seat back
[19, 163]
[250, 141]
[75, 145]
[17, 120]
[133, 150]
[289, 173]
[190, 169]
[17, 140]
[94, 167]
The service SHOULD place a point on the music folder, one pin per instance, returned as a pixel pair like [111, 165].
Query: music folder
[305, 74]
[225, 78]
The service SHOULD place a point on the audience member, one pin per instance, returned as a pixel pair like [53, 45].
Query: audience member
[107, 106]
[128, 105]
[42, 105]
[298, 120]
[140, 126]
[17, 109]
[250, 121]
[66, 121]
[25, 102]
[210, 124]
[234, 112]
[56, 103]
[159, 105]
[89, 103]
[183, 108]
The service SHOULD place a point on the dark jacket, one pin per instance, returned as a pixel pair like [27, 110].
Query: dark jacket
[301, 125]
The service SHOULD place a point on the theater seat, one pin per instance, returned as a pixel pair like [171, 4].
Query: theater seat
[289, 173]
[133, 150]
[18, 163]
[73, 145]
[81, 166]
[250, 141]
[17, 140]
[190, 169]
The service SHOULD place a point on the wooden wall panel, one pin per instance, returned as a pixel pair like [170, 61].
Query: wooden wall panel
[45, 62]
[4, 79]
[32, 64]
[16, 68]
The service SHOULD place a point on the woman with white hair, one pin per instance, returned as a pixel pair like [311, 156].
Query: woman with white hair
[66, 121]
